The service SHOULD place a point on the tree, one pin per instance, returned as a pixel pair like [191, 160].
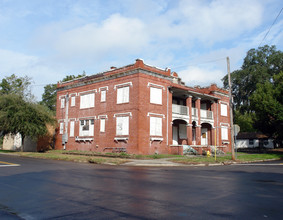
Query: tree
[260, 65]
[49, 96]
[19, 116]
[17, 85]
[267, 103]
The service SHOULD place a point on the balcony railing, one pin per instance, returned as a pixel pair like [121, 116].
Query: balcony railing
[194, 112]
[205, 114]
[180, 109]
[184, 110]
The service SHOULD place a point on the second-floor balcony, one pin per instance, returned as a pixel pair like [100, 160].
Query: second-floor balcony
[184, 111]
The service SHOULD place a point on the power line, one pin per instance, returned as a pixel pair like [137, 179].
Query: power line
[270, 27]
[194, 64]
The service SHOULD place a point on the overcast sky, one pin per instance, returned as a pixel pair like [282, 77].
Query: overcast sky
[49, 39]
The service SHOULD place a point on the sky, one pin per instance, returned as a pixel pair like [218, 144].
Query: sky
[49, 39]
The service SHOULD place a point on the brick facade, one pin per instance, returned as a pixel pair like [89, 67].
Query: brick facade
[153, 112]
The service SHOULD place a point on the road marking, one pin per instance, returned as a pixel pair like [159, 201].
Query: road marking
[6, 164]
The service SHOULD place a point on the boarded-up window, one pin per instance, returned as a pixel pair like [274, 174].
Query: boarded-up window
[86, 127]
[72, 128]
[73, 100]
[224, 110]
[224, 133]
[182, 131]
[155, 126]
[123, 94]
[156, 95]
[61, 131]
[103, 96]
[122, 125]
[102, 125]
[87, 101]
[62, 103]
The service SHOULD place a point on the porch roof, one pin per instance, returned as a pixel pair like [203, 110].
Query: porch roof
[179, 92]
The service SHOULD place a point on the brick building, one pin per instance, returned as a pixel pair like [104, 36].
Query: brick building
[140, 109]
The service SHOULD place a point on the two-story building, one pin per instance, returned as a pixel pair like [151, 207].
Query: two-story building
[141, 109]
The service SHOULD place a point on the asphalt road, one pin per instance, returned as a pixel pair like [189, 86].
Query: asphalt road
[46, 189]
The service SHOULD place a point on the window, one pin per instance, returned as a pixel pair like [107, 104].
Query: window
[123, 94]
[87, 101]
[122, 125]
[224, 109]
[183, 131]
[103, 96]
[102, 125]
[224, 133]
[155, 126]
[61, 131]
[73, 100]
[63, 103]
[86, 127]
[72, 128]
[156, 95]
[251, 141]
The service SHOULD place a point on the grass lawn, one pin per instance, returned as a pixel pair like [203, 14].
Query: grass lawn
[120, 158]
[241, 157]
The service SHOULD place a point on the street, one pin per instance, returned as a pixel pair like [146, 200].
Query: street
[48, 189]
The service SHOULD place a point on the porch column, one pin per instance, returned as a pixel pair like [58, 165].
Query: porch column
[189, 105]
[198, 135]
[198, 109]
[190, 134]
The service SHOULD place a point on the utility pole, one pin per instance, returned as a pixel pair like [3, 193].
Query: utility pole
[231, 110]
[65, 135]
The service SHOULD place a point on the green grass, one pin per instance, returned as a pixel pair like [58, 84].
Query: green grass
[241, 157]
[7, 151]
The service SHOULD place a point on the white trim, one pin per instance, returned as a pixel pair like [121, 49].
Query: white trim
[123, 84]
[84, 139]
[103, 88]
[149, 84]
[123, 114]
[72, 119]
[155, 114]
[86, 92]
[62, 96]
[102, 116]
[224, 124]
[89, 117]
[61, 120]
[73, 94]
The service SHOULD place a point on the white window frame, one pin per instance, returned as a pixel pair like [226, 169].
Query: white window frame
[73, 101]
[155, 95]
[102, 125]
[62, 102]
[155, 126]
[103, 96]
[223, 109]
[224, 133]
[122, 125]
[123, 94]
[86, 122]
[72, 128]
[87, 100]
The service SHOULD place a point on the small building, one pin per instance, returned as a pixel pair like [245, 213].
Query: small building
[253, 140]
[141, 109]
[14, 143]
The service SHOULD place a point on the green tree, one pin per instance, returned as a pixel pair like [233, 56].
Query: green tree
[245, 120]
[267, 103]
[19, 116]
[49, 95]
[259, 66]
[17, 85]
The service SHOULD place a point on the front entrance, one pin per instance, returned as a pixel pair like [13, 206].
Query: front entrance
[204, 136]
